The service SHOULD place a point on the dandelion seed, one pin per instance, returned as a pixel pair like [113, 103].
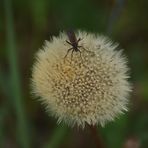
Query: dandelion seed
[91, 91]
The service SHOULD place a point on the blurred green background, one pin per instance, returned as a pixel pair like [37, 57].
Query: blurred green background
[24, 25]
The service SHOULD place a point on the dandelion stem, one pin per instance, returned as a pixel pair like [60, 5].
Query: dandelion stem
[96, 137]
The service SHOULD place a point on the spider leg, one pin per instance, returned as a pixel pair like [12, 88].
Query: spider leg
[92, 54]
[72, 54]
[68, 42]
[84, 48]
[80, 55]
[79, 40]
[68, 52]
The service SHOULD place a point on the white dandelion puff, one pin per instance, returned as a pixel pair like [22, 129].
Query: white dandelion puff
[92, 88]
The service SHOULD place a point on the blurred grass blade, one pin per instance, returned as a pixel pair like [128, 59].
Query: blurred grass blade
[119, 4]
[57, 137]
[3, 112]
[17, 96]
[39, 13]
[3, 82]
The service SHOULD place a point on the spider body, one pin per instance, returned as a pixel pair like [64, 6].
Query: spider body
[73, 41]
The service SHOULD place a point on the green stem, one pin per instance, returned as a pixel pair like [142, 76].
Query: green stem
[17, 95]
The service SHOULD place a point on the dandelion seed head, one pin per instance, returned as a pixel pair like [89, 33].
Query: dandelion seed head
[90, 89]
